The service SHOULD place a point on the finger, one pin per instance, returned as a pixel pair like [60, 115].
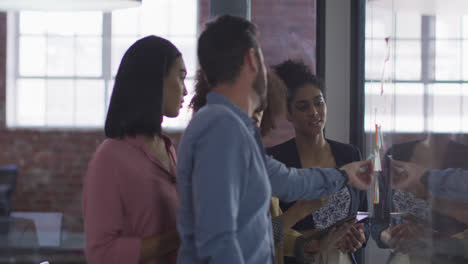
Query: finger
[359, 226]
[367, 164]
[345, 228]
[366, 172]
[355, 234]
[359, 239]
[347, 244]
[361, 236]
[341, 245]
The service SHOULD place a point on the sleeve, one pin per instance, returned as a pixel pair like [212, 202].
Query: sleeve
[291, 184]
[218, 179]
[450, 184]
[104, 218]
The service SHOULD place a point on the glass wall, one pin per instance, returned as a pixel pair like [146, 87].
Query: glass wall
[415, 111]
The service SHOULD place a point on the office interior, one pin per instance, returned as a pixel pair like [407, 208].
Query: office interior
[395, 72]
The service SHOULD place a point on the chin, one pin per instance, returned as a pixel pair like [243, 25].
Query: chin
[172, 115]
[313, 132]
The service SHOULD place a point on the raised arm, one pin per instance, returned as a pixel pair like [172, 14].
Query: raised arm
[291, 184]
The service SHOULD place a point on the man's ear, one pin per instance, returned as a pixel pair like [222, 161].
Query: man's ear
[252, 60]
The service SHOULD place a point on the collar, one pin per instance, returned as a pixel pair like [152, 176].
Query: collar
[217, 98]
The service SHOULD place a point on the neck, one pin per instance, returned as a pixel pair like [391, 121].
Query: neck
[240, 95]
[155, 143]
[310, 144]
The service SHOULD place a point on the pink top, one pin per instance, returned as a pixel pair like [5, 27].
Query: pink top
[127, 196]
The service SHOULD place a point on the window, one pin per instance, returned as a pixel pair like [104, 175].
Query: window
[62, 72]
[422, 69]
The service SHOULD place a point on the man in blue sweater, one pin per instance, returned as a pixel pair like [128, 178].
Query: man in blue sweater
[225, 178]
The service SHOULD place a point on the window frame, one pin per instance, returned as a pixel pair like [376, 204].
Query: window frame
[107, 77]
[428, 69]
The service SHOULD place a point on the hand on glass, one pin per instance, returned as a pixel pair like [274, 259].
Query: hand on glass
[360, 174]
[353, 240]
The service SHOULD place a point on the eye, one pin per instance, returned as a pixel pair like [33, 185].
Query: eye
[302, 106]
[319, 103]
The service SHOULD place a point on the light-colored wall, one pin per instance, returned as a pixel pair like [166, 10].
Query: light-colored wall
[337, 68]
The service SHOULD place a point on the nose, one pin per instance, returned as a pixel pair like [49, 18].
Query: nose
[313, 111]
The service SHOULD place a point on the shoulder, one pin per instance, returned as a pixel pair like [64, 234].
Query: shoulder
[111, 149]
[215, 123]
[117, 148]
[348, 151]
[282, 148]
[342, 146]
[214, 116]
[113, 153]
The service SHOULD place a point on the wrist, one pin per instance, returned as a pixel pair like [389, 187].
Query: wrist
[345, 175]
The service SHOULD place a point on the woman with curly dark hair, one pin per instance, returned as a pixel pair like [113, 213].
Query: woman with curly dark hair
[307, 111]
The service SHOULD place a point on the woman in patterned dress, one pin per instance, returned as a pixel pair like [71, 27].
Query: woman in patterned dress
[307, 111]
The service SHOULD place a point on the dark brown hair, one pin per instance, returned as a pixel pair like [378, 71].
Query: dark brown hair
[276, 106]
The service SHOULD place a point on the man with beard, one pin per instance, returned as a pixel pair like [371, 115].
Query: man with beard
[225, 179]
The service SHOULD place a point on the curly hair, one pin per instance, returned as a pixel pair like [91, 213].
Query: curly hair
[295, 74]
[202, 88]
